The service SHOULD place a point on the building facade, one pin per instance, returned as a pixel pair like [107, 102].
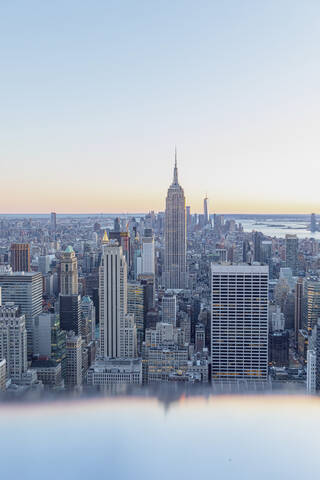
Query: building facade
[239, 322]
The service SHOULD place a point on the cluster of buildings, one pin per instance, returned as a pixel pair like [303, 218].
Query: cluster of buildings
[88, 302]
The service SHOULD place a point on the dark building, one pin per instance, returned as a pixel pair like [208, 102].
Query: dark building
[257, 239]
[70, 313]
[279, 348]
[20, 257]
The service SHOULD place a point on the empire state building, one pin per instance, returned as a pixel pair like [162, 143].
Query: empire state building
[175, 270]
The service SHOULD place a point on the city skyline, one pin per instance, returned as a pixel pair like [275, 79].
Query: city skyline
[94, 98]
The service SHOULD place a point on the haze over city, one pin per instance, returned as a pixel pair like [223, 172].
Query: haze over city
[95, 96]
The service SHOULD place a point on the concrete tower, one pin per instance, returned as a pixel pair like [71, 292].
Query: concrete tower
[68, 272]
[175, 271]
[113, 298]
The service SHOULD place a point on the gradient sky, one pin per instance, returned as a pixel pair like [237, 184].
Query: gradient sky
[94, 96]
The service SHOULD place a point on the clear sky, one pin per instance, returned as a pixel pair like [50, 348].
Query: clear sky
[95, 94]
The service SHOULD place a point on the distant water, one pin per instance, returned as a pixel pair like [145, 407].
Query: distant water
[279, 228]
[269, 225]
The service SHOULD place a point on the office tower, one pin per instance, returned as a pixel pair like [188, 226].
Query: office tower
[88, 310]
[53, 221]
[313, 302]
[113, 299]
[311, 371]
[205, 211]
[123, 239]
[25, 290]
[298, 299]
[257, 240]
[49, 340]
[137, 306]
[128, 345]
[200, 337]
[44, 264]
[70, 313]
[3, 374]
[68, 272]
[279, 348]
[13, 341]
[169, 309]
[313, 223]
[292, 244]
[73, 360]
[175, 271]
[148, 252]
[116, 225]
[20, 257]
[239, 322]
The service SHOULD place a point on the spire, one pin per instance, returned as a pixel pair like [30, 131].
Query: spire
[175, 171]
[105, 237]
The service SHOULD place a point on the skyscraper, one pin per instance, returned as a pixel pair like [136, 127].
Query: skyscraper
[175, 271]
[13, 341]
[25, 290]
[239, 322]
[148, 252]
[68, 272]
[205, 211]
[113, 298]
[169, 309]
[292, 243]
[298, 309]
[20, 257]
[53, 221]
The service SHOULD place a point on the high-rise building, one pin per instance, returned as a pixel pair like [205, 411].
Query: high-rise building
[313, 302]
[44, 264]
[239, 322]
[257, 240]
[88, 310]
[298, 299]
[148, 266]
[73, 360]
[113, 298]
[53, 221]
[205, 211]
[68, 272]
[70, 313]
[13, 341]
[20, 257]
[175, 270]
[292, 244]
[25, 290]
[3, 374]
[169, 309]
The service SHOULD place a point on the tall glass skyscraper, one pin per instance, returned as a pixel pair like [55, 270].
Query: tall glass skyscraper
[175, 270]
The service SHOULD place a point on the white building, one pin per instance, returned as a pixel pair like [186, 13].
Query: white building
[115, 371]
[169, 309]
[13, 341]
[311, 371]
[239, 322]
[113, 299]
[148, 254]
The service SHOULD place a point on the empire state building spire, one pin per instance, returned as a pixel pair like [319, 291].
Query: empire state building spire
[175, 170]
